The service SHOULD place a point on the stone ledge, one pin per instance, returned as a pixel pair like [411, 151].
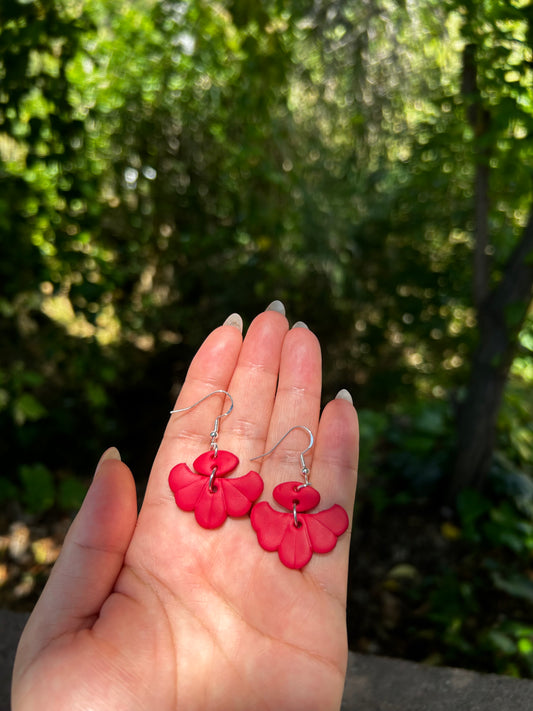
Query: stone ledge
[11, 626]
[383, 684]
[372, 683]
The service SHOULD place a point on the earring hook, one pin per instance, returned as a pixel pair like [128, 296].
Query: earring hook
[214, 433]
[305, 469]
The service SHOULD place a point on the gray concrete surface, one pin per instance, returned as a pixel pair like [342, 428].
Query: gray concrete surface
[11, 626]
[382, 684]
[372, 683]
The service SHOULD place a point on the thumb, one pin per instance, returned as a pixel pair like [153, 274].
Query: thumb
[91, 558]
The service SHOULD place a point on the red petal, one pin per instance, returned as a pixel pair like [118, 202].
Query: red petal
[269, 525]
[240, 493]
[321, 538]
[325, 526]
[334, 518]
[210, 511]
[295, 550]
[186, 486]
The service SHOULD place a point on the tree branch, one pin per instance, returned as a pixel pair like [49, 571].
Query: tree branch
[516, 286]
[479, 119]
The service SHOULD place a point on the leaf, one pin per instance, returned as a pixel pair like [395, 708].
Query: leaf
[502, 642]
[8, 491]
[449, 531]
[27, 407]
[471, 505]
[403, 571]
[525, 645]
[38, 493]
[516, 585]
[71, 494]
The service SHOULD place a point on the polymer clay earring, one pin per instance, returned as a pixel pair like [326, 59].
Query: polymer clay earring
[298, 534]
[205, 490]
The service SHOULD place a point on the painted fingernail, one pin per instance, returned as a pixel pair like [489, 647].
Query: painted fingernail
[276, 306]
[344, 395]
[234, 320]
[300, 324]
[111, 453]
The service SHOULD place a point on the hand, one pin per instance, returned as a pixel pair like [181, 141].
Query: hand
[156, 612]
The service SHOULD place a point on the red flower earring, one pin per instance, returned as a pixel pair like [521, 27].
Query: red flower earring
[205, 491]
[297, 535]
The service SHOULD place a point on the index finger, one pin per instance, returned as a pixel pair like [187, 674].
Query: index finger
[187, 433]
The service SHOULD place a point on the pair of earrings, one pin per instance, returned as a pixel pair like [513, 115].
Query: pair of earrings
[295, 535]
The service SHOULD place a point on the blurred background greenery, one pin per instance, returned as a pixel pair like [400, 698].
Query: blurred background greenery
[164, 163]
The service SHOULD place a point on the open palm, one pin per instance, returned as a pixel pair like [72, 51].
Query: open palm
[156, 612]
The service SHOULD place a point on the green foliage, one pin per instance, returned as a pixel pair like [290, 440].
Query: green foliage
[39, 492]
[372, 426]
[8, 491]
[37, 487]
[514, 422]
[70, 494]
[471, 506]
[481, 612]
[417, 443]
[27, 407]
[467, 600]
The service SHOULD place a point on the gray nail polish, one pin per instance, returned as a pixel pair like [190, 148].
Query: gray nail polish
[234, 320]
[300, 324]
[344, 395]
[276, 306]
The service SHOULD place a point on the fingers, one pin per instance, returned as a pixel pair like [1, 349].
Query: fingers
[91, 558]
[336, 453]
[253, 387]
[333, 459]
[334, 474]
[187, 433]
[274, 378]
[297, 404]
[211, 369]
[249, 372]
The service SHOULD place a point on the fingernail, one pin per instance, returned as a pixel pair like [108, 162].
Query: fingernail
[344, 395]
[276, 306]
[300, 324]
[234, 320]
[111, 453]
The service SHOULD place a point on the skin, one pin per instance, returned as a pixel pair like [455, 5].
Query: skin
[155, 612]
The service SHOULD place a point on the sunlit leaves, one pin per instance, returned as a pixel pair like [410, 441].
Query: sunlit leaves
[168, 158]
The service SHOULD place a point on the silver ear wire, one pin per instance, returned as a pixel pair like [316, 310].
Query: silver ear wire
[214, 433]
[305, 469]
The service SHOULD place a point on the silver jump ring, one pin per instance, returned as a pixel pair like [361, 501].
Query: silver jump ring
[294, 514]
[212, 479]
